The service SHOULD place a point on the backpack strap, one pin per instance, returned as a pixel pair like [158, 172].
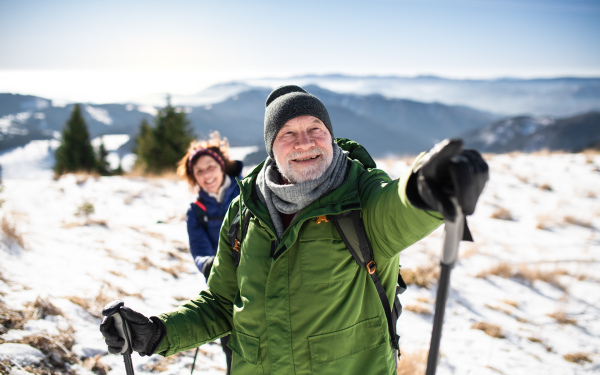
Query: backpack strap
[350, 227]
[202, 214]
[237, 232]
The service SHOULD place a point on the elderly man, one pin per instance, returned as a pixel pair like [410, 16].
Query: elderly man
[290, 293]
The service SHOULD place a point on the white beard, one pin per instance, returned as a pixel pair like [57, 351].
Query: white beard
[308, 173]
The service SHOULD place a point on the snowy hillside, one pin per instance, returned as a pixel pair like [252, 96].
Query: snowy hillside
[530, 280]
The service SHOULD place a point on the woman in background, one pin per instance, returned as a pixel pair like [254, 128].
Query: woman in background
[209, 171]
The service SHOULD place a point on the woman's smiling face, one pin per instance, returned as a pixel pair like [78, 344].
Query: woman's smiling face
[208, 174]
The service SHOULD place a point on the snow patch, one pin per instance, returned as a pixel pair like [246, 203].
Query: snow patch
[21, 354]
[148, 109]
[99, 114]
[111, 141]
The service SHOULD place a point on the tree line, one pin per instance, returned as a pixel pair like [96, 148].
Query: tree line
[158, 148]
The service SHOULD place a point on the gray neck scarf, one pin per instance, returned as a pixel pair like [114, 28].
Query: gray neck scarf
[292, 198]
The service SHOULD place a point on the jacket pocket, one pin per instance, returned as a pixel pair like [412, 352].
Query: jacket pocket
[332, 346]
[245, 346]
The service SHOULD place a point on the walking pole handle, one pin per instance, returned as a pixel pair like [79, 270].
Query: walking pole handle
[453, 234]
[112, 309]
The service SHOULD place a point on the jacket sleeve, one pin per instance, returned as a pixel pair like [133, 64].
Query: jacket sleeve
[391, 221]
[208, 316]
[200, 245]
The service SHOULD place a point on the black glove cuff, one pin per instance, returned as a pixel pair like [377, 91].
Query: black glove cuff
[412, 193]
[158, 335]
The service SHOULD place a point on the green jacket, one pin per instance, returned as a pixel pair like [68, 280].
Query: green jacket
[302, 305]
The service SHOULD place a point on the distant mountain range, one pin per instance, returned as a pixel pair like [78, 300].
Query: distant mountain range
[559, 97]
[528, 134]
[361, 108]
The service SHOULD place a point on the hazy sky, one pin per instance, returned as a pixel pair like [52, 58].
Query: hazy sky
[103, 50]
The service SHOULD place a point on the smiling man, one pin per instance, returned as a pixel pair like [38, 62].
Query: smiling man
[288, 289]
[303, 149]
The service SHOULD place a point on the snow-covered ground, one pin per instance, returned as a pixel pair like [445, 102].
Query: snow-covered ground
[530, 272]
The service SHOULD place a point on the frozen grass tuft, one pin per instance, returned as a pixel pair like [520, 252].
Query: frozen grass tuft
[561, 318]
[412, 363]
[502, 213]
[579, 358]
[95, 365]
[490, 329]
[423, 276]
[418, 309]
[11, 233]
[525, 273]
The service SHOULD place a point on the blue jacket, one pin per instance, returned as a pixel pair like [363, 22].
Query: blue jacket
[204, 239]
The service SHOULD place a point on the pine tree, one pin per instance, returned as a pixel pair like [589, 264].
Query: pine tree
[160, 148]
[102, 164]
[75, 152]
[144, 146]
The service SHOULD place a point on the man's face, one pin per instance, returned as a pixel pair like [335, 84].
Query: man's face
[303, 149]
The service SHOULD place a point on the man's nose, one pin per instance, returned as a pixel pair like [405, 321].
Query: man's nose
[304, 141]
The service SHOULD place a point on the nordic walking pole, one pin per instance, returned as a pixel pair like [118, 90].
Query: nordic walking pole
[453, 233]
[112, 309]
[194, 362]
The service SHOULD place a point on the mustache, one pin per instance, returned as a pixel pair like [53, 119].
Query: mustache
[316, 151]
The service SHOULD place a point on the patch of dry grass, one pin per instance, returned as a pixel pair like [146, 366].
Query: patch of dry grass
[11, 233]
[42, 308]
[144, 264]
[424, 276]
[579, 357]
[561, 318]
[95, 305]
[418, 309]
[577, 221]
[10, 319]
[161, 364]
[526, 273]
[512, 303]
[5, 366]
[56, 348]
[539, 341]
[502, 213]
[174, 270]
[412, 363]
[137, 172]
[500, 309]
[502, 269]
[95, 365]
[490, 329]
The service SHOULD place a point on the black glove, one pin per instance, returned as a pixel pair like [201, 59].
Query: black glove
[448, 171]
[146, 333]
[207, 266]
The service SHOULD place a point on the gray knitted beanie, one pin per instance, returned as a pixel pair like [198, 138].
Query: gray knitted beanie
[287, 102]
